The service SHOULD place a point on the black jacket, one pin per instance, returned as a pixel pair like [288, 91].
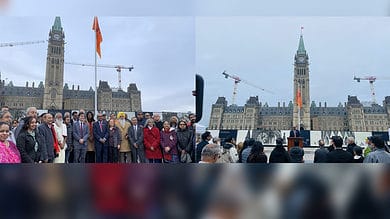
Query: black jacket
[279, 155]
[338, 155]
[184, 140]
[26, 146]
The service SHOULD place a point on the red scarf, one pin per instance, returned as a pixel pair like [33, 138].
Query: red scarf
[56, 146]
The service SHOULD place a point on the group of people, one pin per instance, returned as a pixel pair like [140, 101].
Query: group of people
[376, 151]
[78, 138]
[251, 151]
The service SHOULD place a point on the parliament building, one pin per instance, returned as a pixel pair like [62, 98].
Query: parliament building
[53, 94]
[353, 115]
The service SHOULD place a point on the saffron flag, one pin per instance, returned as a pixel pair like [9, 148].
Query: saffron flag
[299, 98]
[99, 37]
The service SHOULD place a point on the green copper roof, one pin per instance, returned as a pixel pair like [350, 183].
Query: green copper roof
[57, 24]
[301, 47]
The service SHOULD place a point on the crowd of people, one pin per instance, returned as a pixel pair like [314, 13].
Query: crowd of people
[145, 138]
[77, 138]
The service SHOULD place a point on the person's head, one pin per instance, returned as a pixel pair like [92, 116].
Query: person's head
[4, 131]
[75, 115]
[350, 140]
[337, 141]
[67, 118]
[357, 150]
[321, 143]
[240, 145]
[134, 120]
[157, 117]
[58, 119]
[279, 142]
[82, 117]
[4, 108]
[32, 111]
[182, 125]
[150, 122]
[100, 117]
[113, 116]
[378, 142]
[192, 117]
[147, 116]
[121, 115]
[140, 115]
[166, 125]
[111, 123]
[5, 116]
[294, 128]
[15, 123]
[173, 121]
[90, 116]
[257, 148]
[206, 136]
[30, 123]
[210, 153]
[48, 118]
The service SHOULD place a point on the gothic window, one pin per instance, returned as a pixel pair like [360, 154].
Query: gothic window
[53, 93]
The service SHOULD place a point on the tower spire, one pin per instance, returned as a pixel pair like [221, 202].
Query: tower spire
[57, 24]
[301, 46]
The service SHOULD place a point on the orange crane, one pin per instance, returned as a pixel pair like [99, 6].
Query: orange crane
[371, 80]
[239, 80]
[117, 67]
[21, 43]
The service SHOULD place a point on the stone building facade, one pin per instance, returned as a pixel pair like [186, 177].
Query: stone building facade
[53, 94]
[350, 116]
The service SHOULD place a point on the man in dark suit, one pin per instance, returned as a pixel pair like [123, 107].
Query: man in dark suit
[45, 130]
[136, 138]
[294, 132]
[100, 134]
[338, 155]
[80, 137]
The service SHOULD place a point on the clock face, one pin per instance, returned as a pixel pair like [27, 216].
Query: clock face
[56, 36]
[301, 59]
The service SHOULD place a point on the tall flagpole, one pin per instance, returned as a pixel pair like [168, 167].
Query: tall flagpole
[95, 75]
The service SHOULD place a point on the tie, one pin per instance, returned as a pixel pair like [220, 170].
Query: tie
[135, 132]
[81, 129]
[101, 128]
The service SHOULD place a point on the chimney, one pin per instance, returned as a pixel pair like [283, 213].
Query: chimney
[284, 104]
[73, 87]
[278, 104]
[33, 84]
[320, 104]
[26, 83]
[325, 104]
[78, 87]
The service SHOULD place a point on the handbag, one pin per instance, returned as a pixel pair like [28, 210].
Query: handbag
[185, 158]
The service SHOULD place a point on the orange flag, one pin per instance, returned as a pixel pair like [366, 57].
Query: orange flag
[99, 37]
[299, 98]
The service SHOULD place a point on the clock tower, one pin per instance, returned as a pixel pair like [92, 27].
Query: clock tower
[54, 78]
[301, 83]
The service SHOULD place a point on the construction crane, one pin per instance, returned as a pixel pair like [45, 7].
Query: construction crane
[371, 80]
[238, 80]
[117, 67]
[21, 43]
